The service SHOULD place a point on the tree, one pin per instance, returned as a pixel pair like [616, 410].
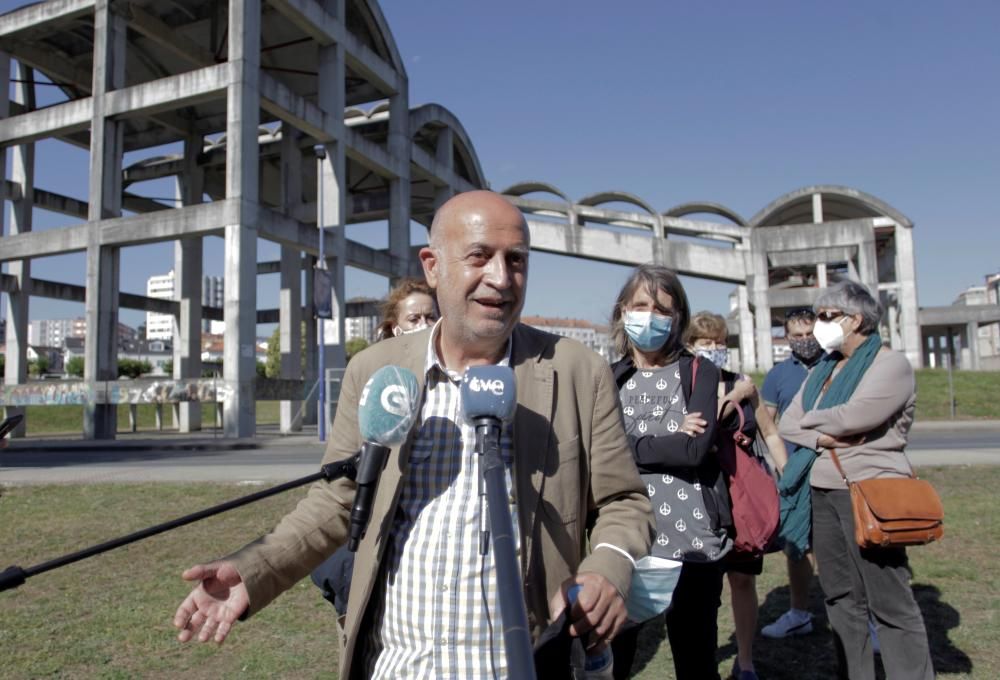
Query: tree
[168, 367]
[133, 368]
[354, 345]
[273, 365]
[39, 366]
[75, 366]
[3, 364]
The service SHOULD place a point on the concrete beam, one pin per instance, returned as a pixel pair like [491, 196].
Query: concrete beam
[167, 37]
[719, 264]
[39, 14]
[281, 101]
[170, 93]
[792, 297]
[812, 256]
[61, 119]
[325, 29]
[957, 315]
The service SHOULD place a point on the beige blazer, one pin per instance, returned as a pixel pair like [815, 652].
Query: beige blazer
[574, 476]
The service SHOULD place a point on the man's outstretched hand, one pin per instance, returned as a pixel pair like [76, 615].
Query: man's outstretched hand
[210, 610]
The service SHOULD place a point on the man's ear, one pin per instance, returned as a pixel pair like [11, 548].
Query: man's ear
[429, 261]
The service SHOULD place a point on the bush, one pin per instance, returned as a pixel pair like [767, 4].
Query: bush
[74, 366]
[133, 368]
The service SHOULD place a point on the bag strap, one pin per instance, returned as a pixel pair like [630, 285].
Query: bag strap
[836, 461]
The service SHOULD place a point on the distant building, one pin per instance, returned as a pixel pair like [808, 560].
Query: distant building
[157, 352]
[362, 326]
[56, 332]
[592, 335]
[988, 336]
[161, 326]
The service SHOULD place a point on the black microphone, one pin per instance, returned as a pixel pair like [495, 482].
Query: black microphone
[489, 397]
[386, 412]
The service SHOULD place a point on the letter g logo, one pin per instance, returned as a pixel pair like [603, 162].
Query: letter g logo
[395, 400]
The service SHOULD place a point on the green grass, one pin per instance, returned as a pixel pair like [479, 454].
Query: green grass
[976, 393]
[49, 420]
[109, 616]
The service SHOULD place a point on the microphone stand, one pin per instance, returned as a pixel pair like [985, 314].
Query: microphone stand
[14, 576]
[516, 635]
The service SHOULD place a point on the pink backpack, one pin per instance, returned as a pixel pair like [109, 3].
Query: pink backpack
[752, 490]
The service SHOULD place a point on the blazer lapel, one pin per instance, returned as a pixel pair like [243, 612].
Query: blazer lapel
[532, 433]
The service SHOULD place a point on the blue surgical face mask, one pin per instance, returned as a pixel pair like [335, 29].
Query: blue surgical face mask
[647, 331]
[719, 357]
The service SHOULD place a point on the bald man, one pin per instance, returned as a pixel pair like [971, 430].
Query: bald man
[423, 603]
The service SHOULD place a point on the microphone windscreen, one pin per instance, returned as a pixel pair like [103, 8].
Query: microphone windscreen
[489, 391]
[388, 406]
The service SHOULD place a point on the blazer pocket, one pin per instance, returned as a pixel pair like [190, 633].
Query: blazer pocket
[563, 488]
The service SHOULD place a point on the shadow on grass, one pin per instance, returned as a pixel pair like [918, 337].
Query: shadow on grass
[940, 617]
[813, 655]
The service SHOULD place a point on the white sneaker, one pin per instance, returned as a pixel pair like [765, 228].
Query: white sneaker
[788, 624]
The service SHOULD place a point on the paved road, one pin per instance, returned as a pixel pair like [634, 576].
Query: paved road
[270, 458]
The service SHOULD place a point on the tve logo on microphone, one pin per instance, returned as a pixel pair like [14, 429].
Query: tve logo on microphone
[486, 385]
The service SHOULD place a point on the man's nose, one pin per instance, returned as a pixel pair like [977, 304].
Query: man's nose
[496, 272]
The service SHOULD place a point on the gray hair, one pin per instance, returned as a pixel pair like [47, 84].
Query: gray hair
[851, 297]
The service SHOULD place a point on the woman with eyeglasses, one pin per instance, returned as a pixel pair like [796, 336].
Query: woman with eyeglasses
[859, 401]
[670, 420]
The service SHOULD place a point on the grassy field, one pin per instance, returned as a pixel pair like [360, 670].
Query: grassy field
[109, 616]
[977, 395]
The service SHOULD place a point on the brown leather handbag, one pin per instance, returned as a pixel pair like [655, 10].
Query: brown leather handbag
[894, 511]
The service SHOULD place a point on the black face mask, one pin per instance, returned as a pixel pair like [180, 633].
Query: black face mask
[806, 350]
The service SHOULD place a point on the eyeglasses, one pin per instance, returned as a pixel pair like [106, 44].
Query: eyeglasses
[829, 316]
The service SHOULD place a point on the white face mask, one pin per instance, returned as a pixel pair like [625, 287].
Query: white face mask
[830, 334]
[397, 331]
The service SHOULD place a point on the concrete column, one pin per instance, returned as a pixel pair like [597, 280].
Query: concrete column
[817, 208]
[399, 187]
[242, 172]
[972, 341]
[332, 182]
[909, 312]
[188, 272]
[105, 198]
[748, 354]
[22, 174]
[290, 300]
[758, 284]
[868, 261]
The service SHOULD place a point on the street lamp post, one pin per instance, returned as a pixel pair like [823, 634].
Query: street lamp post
[321, 321]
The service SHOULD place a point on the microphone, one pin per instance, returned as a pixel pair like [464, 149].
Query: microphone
[489, 398]
[386, 412]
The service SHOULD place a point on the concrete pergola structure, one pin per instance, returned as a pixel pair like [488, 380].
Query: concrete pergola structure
[778, 260]
[952, 332]
[246, 89]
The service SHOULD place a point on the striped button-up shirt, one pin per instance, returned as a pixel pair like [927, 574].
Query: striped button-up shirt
[440, 614]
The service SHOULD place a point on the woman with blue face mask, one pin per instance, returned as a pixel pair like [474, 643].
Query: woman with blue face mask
[669, 408]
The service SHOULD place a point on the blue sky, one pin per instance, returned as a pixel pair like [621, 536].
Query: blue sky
[736, 103]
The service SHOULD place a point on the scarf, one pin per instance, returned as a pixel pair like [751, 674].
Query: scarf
[796, 499]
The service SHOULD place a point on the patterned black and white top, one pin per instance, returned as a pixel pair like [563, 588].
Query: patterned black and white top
[653, 405]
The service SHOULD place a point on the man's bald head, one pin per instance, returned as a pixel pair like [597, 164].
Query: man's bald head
[473, 208]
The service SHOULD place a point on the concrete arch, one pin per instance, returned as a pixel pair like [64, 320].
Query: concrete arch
[382, 41]
[594, 200]
[843, 202]
[685, 209]
[437, 115]
[530, 187]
